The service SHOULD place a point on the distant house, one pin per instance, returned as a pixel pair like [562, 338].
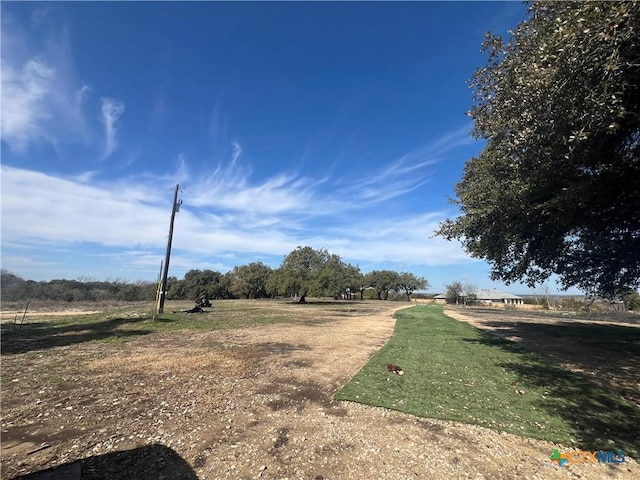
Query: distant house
[487, 297]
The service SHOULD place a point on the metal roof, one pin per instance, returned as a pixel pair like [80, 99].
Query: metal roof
[486, 294]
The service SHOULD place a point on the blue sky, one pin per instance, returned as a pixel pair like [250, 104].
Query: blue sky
[335, 125]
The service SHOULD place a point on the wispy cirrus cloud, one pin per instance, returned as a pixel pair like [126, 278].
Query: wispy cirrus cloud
[159, 110]
[230, 187]
[396, 179]
[66, 211]
[404, 174]
[42, 100]
[457, 138]
[23, 92]
[111, 112]
[121, 215]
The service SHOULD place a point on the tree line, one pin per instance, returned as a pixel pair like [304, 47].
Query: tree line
[304, 272]
[15, 288]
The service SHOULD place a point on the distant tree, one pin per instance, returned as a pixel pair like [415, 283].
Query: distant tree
[556, 189]
[382, 281]
[354, 282]
[546, 301]
[176, 289]
[250, 281]
[309, 272]
[468, 294]
[409, 283]
[83, 289]
[631, 300]
[223, 288]
[454, 292]
[337, 278]
[471, 299]
[131, 293]
[299, 273]
[73, 291]
[634, 301]
[276, 284]
[330, 276]
[198, 283]
[13, 287]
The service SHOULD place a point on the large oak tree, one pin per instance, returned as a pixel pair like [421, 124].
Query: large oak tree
[306, 271]
[556, 189]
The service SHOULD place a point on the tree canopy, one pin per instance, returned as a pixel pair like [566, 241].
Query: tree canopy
[382, 281]
[408, 283]
[298, 273]
[306, 271]
[250, 281]
[556, 189]
[455, 291]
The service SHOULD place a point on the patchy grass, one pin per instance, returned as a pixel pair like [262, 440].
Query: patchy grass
[115, 326]
[454, 371]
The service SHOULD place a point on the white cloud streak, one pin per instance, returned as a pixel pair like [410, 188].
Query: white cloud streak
[229, 187]
[406, 173]
[42, 101]
[39, 208]
[23, 112]
[405, 240]
[111, 112]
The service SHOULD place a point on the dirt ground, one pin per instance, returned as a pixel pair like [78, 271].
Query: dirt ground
[244, 404]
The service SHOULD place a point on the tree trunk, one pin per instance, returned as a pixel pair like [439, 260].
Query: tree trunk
[302, 299]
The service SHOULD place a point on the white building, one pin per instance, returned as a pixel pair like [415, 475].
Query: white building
[485, 296]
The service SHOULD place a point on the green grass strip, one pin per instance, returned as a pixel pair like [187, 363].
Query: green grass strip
[454, 371]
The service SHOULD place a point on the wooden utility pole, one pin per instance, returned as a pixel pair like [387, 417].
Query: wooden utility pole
[163, 292]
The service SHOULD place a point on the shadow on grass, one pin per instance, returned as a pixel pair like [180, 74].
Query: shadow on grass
[606, 354]
[166, 320]
[610, 316]
[615, 338]
[53, 333]
[599, 418]
[151, 461]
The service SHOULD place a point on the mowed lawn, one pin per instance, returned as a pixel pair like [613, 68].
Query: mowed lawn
[454, 371]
